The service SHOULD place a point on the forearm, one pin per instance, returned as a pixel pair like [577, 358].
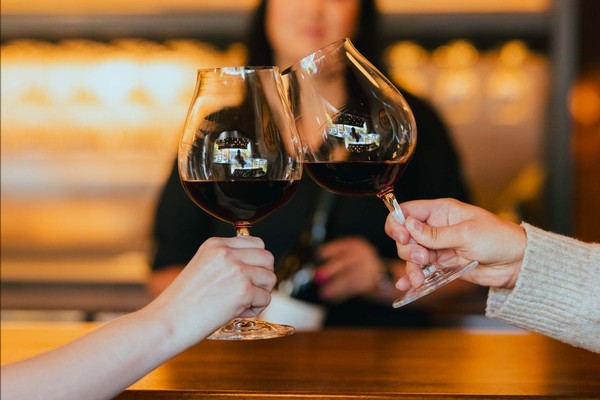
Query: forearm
[97, 366]
[106, 361]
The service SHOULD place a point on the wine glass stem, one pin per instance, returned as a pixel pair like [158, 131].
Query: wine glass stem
[389, 199]
[430, 271]
[242, 229]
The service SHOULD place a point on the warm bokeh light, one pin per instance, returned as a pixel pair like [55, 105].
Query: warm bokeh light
[584, 105]
[584, 102]
[82, 92]
[92, 127]
[456, 88]
[508, 88]
[407, 60]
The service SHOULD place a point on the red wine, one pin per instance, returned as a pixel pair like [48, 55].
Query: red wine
[357, 178]
[241, 200]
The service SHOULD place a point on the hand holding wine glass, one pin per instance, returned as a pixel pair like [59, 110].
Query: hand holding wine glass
[240, 159]
[449, 232]
[358, 133]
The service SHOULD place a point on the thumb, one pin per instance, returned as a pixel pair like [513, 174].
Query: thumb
[433, 237]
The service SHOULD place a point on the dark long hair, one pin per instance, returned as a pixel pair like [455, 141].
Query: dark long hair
[367, 37]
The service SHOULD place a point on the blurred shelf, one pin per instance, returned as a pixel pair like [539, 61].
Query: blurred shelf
[110, 284]
[126, 269]
[227, 26]
[552, 21]
[73, 7]
[88, 298]
[226, 22]
[213, 26]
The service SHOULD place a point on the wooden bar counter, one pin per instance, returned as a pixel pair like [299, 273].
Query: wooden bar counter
[352, 364]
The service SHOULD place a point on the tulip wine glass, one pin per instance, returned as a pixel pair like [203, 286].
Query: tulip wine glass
[358, 134]
[240, 159]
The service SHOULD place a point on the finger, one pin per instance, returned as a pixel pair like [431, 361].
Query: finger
[414, 252]
[256, 257]
[434, 237]
[415, 274]
[260, 277]
[332, 267]
[396, 231]
[419, 209]
[353, 279]
[336, 289]
[403, 283]
[260, 301]
[414, 277]
[338, 257]
[243, 242]
[337, 248]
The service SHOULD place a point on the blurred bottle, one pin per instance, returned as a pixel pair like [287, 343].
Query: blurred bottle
[296, 270]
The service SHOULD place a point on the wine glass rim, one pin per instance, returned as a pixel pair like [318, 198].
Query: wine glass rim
[240, 68]
[317, 55]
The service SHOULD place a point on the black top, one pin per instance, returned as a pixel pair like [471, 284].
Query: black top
[433, 172]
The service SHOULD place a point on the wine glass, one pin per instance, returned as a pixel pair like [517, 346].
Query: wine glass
[240, 159]
[358, 134]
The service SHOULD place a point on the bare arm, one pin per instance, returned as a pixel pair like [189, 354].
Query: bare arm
[226, 278]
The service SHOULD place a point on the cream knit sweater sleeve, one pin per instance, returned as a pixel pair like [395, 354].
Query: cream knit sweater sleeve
[557, 292]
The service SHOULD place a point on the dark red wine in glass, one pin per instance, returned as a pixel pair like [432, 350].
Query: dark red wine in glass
[240, 202]
[358, 134]
[355, 178]
[240, 159]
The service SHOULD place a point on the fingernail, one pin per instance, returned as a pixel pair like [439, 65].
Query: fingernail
[417, 257]
[413, 278]
[415, 225]
[319, 277]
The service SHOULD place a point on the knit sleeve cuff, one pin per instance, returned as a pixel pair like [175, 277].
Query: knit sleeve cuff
[555, 291]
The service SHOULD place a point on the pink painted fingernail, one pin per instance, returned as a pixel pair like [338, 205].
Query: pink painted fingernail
[319, 277]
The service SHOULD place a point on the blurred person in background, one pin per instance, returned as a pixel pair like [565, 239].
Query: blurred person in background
[357, 262]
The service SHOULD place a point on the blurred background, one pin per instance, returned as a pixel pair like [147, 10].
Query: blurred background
[94, 96]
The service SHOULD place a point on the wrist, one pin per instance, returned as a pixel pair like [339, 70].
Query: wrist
[520, 246]
[178, 332]
[145, 330]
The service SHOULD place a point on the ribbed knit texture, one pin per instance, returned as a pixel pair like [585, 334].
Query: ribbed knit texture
[557, 292]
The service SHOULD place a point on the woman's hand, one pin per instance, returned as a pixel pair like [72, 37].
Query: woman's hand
[446, 232]
[227, 278]
[351, 267]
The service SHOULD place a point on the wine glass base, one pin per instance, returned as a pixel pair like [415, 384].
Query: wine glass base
[251, 329]
[436, 280]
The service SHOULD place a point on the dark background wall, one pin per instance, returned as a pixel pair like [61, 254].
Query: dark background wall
[586, 128]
